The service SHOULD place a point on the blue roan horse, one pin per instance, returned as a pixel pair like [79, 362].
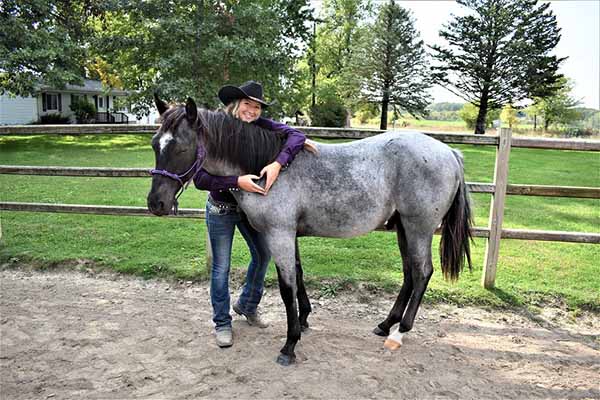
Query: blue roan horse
[408, 181]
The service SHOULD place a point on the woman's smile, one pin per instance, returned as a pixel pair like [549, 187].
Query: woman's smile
[249, 110]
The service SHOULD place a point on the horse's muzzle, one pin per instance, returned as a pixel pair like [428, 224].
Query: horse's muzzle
[156, 206]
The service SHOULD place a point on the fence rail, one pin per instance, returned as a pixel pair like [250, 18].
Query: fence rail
[474, 187]
[314, 132]
[498, 189]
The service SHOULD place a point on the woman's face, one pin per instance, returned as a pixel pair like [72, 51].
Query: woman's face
[249, 110]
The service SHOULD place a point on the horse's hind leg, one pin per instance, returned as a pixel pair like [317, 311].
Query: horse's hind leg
[303, 301]
[397, 311]
[282, 249]
[418, 268]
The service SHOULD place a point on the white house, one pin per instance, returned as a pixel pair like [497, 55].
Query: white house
[25, 110]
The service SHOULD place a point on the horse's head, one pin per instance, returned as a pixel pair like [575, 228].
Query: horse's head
[175, 145]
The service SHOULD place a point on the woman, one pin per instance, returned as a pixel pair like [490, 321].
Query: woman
[222, 214]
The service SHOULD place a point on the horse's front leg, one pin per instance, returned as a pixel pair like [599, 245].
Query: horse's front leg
[282, 249]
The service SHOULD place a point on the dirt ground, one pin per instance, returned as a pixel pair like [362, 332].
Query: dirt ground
[77, 335]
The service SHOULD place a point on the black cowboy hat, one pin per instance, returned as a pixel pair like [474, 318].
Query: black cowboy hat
[248, 90]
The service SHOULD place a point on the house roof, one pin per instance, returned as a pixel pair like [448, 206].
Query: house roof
[90, 86]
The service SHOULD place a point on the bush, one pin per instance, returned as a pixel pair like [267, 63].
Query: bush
[578, 132]
[84, 111]
[367, 112]
[53, 119]
[330, 113]
[469, 114]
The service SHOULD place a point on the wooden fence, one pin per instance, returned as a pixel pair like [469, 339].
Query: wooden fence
[498, 189]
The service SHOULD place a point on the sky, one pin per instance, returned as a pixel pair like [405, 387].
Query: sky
[579, 21]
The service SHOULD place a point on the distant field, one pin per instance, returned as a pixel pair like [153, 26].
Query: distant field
[451, 126]
[529, 273]
[520, 129]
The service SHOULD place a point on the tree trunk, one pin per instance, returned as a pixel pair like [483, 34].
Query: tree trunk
[534, 122]
[480, 124]
[384, 110]
[313, 66]
[483, 109]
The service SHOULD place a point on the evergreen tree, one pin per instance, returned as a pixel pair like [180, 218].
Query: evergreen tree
[392, 64]
[499, 54]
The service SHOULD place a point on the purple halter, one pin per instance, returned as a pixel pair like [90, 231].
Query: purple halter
[180, 178]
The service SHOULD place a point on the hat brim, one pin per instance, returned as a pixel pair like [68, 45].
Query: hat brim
[229, 93]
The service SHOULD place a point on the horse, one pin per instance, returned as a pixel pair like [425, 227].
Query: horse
[408, 182]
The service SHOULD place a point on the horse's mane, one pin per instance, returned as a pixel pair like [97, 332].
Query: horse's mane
[171, 118]
[238, 143]
[229, 139]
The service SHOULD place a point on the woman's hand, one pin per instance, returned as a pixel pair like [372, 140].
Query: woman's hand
[246, 182]
[272, 171]
[311, 146]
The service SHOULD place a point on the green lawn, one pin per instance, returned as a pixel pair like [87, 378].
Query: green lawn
[529, 273]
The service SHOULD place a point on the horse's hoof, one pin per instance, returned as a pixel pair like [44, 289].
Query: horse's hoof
[304, 327]
[391, 344]
[285, 360]
[380, 332]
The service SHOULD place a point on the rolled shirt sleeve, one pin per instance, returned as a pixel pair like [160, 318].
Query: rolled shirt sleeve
[205, 181]
[294, 143]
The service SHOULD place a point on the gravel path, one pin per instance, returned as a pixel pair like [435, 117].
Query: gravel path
[72, 335]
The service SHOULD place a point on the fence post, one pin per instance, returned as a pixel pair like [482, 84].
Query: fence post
[497, 208]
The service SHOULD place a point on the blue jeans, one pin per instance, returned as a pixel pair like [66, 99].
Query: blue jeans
[221, 225]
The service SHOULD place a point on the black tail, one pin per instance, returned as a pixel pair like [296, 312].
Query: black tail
[456, 231]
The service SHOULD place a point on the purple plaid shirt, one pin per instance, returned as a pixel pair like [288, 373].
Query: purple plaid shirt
[219, 185]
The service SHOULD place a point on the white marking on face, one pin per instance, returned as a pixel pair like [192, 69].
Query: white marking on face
[165, 139]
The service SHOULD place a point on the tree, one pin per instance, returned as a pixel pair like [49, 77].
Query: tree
[392, 64]
[508, 115]
[499, 54]
[558, 108]
[44, 42]
[191, 48]
[469, 114]
[337, 30]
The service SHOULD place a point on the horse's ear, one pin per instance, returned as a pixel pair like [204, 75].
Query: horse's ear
[161, 106]
[191, 111]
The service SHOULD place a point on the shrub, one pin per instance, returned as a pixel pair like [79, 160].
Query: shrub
[578, 132]
[53, 119]
[330, 113]
[469, 114]
[84, 111]
[508, 115]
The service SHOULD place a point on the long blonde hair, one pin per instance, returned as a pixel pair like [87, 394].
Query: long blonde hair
[233, 108]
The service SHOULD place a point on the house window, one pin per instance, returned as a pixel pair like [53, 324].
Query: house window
[100, 102]
[51, 101]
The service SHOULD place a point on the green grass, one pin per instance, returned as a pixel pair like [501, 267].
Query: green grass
[529, 272]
